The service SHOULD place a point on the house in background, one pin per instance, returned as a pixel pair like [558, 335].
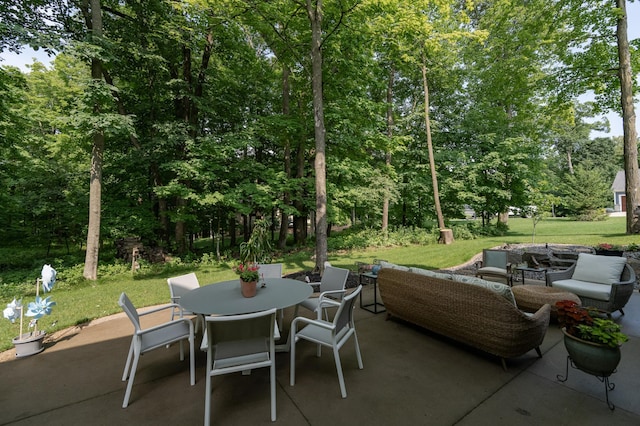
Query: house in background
[619, 194]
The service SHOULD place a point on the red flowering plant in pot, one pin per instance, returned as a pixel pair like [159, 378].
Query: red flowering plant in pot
[587, 324]
[608, 249]
[249, 276]
[248, 272]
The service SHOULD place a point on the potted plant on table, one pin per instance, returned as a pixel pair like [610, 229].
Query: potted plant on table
[30, 343]
[593, 342]
[255, 250]
[249, 276]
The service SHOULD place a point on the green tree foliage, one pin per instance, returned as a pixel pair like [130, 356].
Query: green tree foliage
[207, 111]
[586, 193]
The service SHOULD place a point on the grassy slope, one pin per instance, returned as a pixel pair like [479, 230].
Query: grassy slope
[100, 298]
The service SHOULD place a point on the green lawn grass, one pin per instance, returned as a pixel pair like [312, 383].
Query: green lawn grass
[98, 299]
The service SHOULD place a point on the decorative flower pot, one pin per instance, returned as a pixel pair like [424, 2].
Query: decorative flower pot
[29, 344]
[248, 288]
[593, 358]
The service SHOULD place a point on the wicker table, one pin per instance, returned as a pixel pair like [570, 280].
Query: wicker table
[530, 298]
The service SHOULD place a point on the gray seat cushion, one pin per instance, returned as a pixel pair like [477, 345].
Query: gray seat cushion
[586, 289]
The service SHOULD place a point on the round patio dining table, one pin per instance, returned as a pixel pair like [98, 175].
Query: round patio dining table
[225, 298]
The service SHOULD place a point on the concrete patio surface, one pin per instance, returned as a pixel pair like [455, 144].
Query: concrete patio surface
[410, 377]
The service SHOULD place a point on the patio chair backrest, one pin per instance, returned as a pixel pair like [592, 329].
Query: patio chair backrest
[495, 258]
[130, 310]
[344, 315]
[333, 279]
[270, 270]
[180, 285]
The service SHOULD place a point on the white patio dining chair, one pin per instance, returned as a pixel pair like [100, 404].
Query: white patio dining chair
[331, 334]
[333, 279]
[148, 339]
[238, 343]
[178, 286]
[272, 270]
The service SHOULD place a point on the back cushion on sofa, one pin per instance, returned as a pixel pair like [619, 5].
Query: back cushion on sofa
[389, 265]
[502, 289]
[428, 273]
[598, 269]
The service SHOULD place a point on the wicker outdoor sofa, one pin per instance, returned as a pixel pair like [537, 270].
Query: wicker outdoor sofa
[478, 313]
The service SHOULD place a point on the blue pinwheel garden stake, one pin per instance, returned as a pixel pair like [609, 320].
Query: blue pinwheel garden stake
[41, 307]
[36, 309]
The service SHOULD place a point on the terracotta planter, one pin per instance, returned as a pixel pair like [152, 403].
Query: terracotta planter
[29, 344]
[248, 288]
[593, 358]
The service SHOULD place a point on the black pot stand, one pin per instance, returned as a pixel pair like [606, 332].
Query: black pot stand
[602, 376]
[603, 379]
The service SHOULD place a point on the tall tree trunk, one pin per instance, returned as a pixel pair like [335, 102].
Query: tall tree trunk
[432, 163]
[95, 186]
[300, 220]
[314, 12]
[232, 231]
[569, 161]
[632, 178]
[286, 199]
[385, 201]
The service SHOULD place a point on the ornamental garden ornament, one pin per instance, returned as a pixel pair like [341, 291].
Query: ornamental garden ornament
[31, 342]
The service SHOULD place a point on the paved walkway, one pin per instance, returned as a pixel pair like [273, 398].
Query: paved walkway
[410, 377]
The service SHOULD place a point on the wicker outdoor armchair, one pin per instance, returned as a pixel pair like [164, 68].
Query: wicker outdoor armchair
[617, 296]
[468, 313]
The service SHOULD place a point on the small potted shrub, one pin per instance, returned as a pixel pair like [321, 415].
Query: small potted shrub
[30, 343]
[593, 342]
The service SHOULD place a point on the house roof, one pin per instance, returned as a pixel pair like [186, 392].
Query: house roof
[618, 182]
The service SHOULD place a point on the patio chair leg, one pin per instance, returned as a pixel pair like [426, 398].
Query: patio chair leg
[132, 377]
[127, 365]
[336, 356]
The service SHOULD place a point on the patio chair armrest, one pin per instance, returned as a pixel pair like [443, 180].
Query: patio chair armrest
[325, 298]
[542, 315]
[159, 308]
[560, 275]
[165, 324]
[319, 323]
[621, 292]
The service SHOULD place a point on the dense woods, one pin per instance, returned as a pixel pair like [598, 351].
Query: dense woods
[171, 120]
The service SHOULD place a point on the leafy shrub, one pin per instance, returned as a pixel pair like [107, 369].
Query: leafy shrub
[464, 232]
[361, 238]
[592, 215]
